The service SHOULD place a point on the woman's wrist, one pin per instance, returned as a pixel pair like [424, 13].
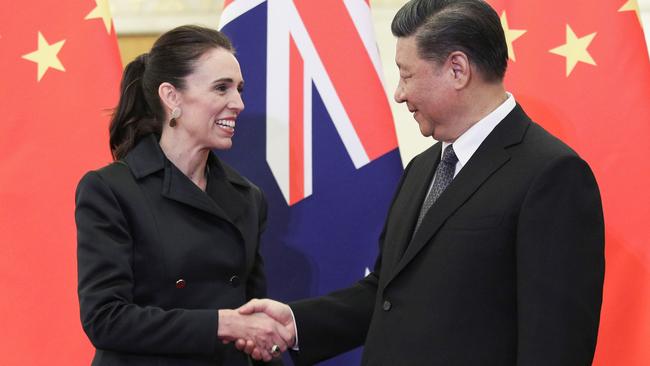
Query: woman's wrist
[226, 320]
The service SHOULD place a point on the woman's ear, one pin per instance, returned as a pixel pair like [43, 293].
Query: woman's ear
[169, 96]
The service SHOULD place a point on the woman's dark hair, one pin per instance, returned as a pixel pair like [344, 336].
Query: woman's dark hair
[441, 27]
[172, 57]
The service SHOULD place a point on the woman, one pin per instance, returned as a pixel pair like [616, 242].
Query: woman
[168, 235]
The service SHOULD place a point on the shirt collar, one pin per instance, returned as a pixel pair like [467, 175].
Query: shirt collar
[470, 140]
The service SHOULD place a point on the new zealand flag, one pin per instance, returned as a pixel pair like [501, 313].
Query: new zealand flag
[317, 135]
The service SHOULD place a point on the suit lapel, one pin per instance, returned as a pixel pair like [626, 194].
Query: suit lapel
[417, 181]
[487, 159]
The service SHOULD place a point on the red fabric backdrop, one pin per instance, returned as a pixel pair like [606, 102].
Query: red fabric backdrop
[55, 129]
[601, 108]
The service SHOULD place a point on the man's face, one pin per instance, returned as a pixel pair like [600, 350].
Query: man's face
[427, 90]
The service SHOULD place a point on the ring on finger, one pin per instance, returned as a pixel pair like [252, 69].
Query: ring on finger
[275, 350]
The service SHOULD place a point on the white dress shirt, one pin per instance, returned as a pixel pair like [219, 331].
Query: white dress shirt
[466, 145]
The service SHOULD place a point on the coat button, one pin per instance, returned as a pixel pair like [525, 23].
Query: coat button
[387, 305]
[180, 283]
[235, 281]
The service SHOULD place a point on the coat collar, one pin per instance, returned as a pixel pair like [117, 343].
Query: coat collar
[147, 158]
[223, 197]
[491, 155]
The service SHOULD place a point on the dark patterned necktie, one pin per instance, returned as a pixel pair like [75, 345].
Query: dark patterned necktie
[444, 175]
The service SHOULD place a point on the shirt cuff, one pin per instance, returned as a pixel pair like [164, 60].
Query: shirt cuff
[295, 327]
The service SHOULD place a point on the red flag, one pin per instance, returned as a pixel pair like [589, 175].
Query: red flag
[59, 72]
[581, 69]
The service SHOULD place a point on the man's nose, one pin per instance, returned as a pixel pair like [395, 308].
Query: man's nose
[399, 94]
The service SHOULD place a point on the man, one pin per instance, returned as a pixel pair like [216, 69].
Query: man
[493, 249]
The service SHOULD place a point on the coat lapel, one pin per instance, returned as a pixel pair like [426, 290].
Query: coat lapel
[225, 195]
[228, 204]
[487, 159]
[224, 189]
[229, 191]
[178, 187]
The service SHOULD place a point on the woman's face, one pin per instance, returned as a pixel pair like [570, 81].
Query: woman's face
[212, 100]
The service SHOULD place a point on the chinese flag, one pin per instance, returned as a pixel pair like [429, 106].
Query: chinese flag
[581, 69]
[59, 73]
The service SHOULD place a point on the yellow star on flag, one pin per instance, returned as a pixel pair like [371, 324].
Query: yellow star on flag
[632, 5]
[575, 50]
[46, 56]
[103, 11]
[511, 35]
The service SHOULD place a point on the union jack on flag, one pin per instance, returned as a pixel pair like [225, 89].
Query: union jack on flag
[317, 135]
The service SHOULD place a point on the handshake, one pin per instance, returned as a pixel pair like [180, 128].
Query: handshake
[261, 328]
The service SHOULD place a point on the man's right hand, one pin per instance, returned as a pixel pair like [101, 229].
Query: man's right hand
[274, 309]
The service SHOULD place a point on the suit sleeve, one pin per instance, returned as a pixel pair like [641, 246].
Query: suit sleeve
[560, 266]
[109, 316]
[338, 322]
[335, 323]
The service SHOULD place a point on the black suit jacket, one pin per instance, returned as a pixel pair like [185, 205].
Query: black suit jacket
[506, 269]
[157, 257]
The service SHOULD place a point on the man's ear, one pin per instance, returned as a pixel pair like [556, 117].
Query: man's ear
[459, 69]
[169, 96]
